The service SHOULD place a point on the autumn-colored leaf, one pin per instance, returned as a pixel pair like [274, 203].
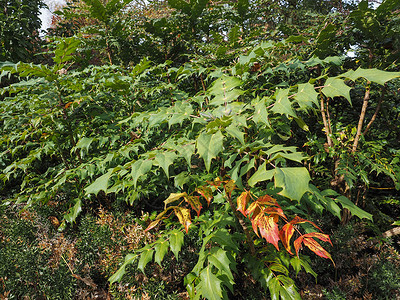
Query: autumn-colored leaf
[269, 230]
[242, 201]
[159, 218]
[206, 192]
[298, 220]
[194, 203]
[254, 218]
[297, 244]
[285, 235]
[251, 208]
[267, 200]
[315, 247]
[274, 211]
[216, 183]
[173, 197]
[230, 186]
[318, 235]
[183, 215]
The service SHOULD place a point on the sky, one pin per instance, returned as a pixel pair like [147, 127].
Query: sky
[47, 13]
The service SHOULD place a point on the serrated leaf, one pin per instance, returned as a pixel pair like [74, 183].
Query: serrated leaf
[236, 133]
[194, 203]
[306, 96]
[209, 146]
[176, 242]
[183, 215]
[218, 257]
[117, 276]
[282, 104]
[173, 197]
[346, 203]
[160, 249]
[164, 160]
[100, 184]
[210, 285]
[74, 212]
[335, 87]
[293, 181]
[206, 192]
[242, 201]
[260, 114]
[186, 151]
[224, 238]
[145, 258]
[372, 75]
[261, 175]
[139, 168]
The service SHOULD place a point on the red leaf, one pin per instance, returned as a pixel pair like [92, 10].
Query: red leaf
[269, 230]
[194, 203]
[315, 247]
[285, 235]
[242, 201]
[254, 219]
[206, 192]
[297, 244]
[277, 211]
[252, 208]
[318, 235]
[267, 200]
[298, 220]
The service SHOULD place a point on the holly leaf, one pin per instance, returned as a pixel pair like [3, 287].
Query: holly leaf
[176, 242]
[161, 249]
[372, 75]
[183, 215]
[145, 258]
[164, 160]
[306, 96]
[282, 104]
[335, 87]
[261, 175]
[173, 197]
[74, 212]
[209, 146]
[100, 184]
[242, 202]
[293, 181]
[209, 285]
[355, 210]
[260, 114]
[194, 203]
[206, 192]
[139, 168]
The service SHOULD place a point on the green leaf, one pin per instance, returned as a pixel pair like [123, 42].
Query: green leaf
[261, 175]
[335, 87]
[209, 146]
[176, 242]
[220, 260]
[372, 75]
[161, 249]
[74, 212]
[139, 168]
[282, 104]
[293, 181]
[100, 184]
[117, 276]
[210, 285]
[145, 258]
[165, 159]
[306, 96]
[236, 133]
[260, 114]
[186, 151]
[346, 203]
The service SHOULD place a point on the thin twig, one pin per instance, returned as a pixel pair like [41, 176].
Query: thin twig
[362, 117]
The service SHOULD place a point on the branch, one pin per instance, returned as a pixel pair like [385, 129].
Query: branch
[376, 111]
[326, 126]
[362, 117]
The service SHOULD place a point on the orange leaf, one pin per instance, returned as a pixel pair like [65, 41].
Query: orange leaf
[298, 220]
[275, 211]
[254, 219]
[315, 247]
[217, 182]
[183, 215]
[251, 208]
[206, 192]
[267, 200]
[152, 224]
[242, 201]
[297, 244]
[318, 235]
[269, 230]
[285, 235]
[194, 203]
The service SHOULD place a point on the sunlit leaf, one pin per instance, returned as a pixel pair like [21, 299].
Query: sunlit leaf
[183, 215]
[209, 146]
[269, 230]
[194, 203]
[242, 201]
